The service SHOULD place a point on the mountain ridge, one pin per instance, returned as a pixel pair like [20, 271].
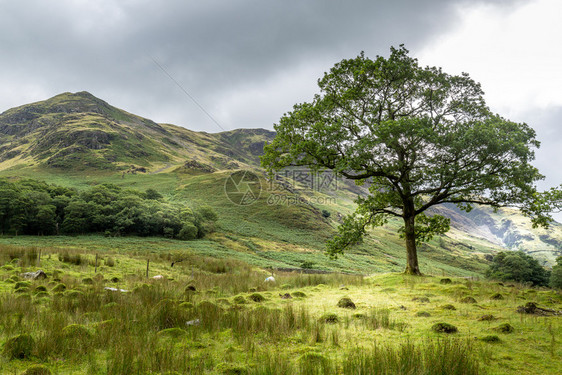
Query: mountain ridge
[80, 133]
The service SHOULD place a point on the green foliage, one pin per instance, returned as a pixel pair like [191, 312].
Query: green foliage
[517, 266]
[556, 274]
[420, 137]
[34, 207]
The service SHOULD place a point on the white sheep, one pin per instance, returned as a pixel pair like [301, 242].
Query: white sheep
[270, 279]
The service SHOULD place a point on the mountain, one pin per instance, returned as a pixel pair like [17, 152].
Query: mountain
[77, 139]
[79, 131]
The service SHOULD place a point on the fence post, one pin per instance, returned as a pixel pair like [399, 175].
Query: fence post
[147, 266]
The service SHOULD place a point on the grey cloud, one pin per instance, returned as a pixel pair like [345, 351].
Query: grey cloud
[214, 49]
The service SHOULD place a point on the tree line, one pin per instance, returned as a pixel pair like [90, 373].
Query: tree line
[35, 207]
[523, 268]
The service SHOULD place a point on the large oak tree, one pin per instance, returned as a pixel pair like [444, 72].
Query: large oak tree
[418, 137]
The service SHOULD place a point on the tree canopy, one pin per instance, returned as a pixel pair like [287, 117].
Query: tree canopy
[417, 137]
[34, 207]
[518, 266]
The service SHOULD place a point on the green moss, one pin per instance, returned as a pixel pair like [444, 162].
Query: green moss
[19, 347]
[490, 338]
[330, 318]
[256, 297]
[444, 328]
[298, 294]
[346, 303]
[239, 300]
[37, 370]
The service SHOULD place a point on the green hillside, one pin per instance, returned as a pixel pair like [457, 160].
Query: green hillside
[77, 140]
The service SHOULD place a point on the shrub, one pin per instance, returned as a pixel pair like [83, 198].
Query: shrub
[37, 370]
[444, 328]
[346, 303]
[556, 274]
[517, 266]
[19, 347]
[326, 213]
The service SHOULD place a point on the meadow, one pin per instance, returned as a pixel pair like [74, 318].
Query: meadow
[103, 312]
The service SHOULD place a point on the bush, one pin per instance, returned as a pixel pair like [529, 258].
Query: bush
[444, 328]
[19, 347]
[326, 213]
[346, 303]
[556, 274]
[517, 266]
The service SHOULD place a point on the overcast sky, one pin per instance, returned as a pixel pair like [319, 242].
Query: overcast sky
[246, 62]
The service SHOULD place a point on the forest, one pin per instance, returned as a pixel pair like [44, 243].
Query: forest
[34, 207]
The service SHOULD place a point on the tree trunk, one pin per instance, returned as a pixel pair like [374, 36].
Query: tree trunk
[412, 267]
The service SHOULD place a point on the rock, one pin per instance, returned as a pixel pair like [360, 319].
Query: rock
[194, 322]
[270, 279]
[158, 277]
[39, 274]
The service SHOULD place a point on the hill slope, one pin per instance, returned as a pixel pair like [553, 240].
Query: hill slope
[80, 131]
[78, 139]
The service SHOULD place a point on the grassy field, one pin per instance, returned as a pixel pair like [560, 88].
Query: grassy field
[213, 315]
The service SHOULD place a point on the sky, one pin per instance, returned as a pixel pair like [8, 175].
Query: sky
[220, 65]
